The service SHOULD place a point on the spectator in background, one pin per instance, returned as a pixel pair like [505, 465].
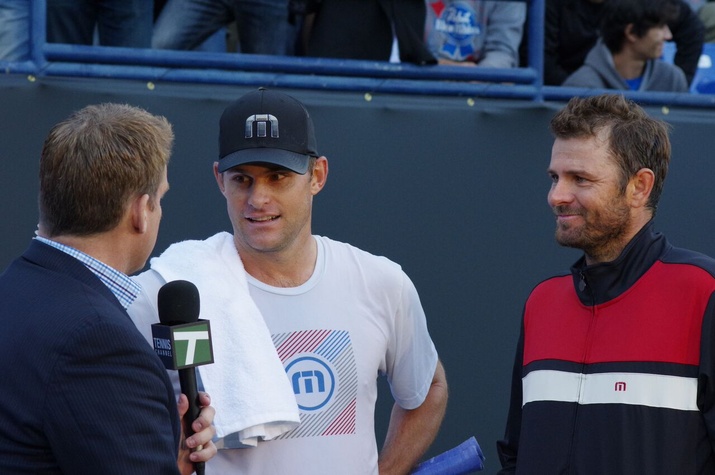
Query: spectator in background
[126, 23]
[474, 32]
[627, 55]
[571, 30]
[15, 30]
[185, 24]
[706, 13]
[380, 30]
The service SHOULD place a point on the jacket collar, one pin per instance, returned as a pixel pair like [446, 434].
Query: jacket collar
[58, 261]
[605, 281]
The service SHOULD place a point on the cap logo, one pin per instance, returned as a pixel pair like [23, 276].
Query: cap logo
[262, 122]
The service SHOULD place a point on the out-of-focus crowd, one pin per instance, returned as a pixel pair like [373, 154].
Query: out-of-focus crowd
[616, 44]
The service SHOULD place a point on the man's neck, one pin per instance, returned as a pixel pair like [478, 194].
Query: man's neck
[104, 247]
[627, 66]
[290, 268]
[610, 252]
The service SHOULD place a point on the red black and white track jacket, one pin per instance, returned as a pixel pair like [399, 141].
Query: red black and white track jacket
[615, 368]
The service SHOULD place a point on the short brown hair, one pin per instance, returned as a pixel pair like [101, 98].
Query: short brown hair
[97, 159]
[635, 140]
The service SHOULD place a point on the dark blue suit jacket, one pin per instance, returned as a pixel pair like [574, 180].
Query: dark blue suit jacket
[82, 392]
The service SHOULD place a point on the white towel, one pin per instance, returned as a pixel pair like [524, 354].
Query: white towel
[247, 382]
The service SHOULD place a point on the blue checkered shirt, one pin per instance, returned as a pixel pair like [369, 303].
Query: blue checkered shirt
[124, 288]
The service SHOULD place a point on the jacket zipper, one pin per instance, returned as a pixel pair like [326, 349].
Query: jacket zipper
[583, 287]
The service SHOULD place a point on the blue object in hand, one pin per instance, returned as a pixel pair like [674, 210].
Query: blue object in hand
[467, 457]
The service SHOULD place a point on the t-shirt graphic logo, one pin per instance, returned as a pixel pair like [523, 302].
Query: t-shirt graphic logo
[457, 26]
[313, 382]
[320, 366]
[262, 121]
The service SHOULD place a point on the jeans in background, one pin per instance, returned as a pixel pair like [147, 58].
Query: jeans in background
[185, 24]
[126, 23]
[14, 30]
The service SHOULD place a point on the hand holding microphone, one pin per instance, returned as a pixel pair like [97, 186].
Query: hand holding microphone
[197, 448]
[183, 341]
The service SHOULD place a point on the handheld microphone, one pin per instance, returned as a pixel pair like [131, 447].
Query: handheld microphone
[183, 341]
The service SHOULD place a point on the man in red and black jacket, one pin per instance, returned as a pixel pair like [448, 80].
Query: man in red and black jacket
[615, 365]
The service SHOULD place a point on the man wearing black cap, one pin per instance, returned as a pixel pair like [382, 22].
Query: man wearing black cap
[337, 315]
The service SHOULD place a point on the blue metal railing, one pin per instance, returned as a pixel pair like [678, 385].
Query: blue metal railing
[65, 60]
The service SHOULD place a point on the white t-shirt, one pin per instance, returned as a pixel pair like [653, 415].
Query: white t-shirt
[358, 316]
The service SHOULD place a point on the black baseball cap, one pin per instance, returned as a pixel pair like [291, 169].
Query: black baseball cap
[266, 126]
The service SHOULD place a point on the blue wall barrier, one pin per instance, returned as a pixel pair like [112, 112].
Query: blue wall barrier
[524, 83]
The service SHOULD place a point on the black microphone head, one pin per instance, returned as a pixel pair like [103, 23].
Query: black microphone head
[178, 302]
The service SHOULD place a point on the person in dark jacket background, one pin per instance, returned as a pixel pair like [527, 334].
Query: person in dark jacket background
[375, 30]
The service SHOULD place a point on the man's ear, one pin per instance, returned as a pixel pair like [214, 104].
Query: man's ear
[139, 210]
[640, 186]
[320, 175]
[219, 178]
